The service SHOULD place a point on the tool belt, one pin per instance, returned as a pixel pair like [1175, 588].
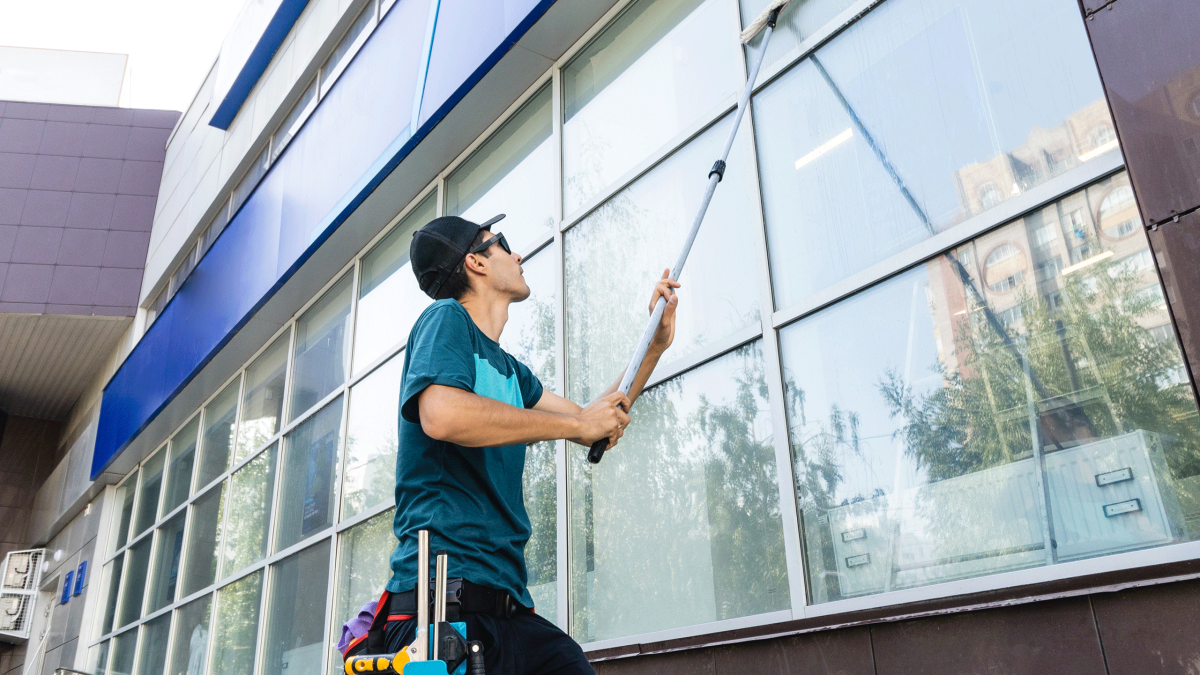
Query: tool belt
[462, 596]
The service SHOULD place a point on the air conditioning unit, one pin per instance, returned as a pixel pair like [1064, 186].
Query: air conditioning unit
[19, 579]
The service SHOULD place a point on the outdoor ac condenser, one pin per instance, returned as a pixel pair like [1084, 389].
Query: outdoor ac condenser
[1104, 497]
[19, 579]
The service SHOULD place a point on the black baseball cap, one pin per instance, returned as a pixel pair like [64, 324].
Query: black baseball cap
[438, 248]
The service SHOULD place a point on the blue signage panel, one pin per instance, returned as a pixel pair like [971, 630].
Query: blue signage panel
[80, 574]
[66, 592]
[247, 51]
[356, 136]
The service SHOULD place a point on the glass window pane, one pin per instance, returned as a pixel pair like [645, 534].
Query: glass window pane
[347, 47]
[262, 402]
[295, 119]
[236, 628]
[365, 550]
[189, 648]
[179, 470]
[322, 351]
[530, 335]
[137, 564]
[966, 417]
[799, 21]
[154, 645]
[249, 513]
[166, 563]
[296, 618]
[614, 256]
[97, 661]
[124, 650]
[112, 572]
[371, 440]
[125, 495]
[511, 173]
[204, 540]
[659, 67]
[306, 496]
[220, 416]
[389, 300]
[151, 487]
[681, 524]
[920, 115]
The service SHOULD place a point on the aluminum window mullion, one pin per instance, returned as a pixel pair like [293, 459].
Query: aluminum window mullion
[339, 464]
[561, 490]
[367, 514]
[789, 508]
[330, 596]
[1037, 197]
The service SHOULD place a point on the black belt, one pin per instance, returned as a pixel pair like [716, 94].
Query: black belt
[462, 596]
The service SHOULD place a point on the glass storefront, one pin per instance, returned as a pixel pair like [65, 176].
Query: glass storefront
[921, 340]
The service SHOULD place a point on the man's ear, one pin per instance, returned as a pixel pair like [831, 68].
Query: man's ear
[475, 263]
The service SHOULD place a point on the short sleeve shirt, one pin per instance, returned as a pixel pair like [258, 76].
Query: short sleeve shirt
[470, 499]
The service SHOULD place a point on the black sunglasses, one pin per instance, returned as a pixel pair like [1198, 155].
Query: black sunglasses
[487, 244]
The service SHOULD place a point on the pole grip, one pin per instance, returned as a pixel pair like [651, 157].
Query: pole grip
[597, 452]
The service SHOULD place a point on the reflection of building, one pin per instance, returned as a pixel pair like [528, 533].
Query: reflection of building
[1048, 152]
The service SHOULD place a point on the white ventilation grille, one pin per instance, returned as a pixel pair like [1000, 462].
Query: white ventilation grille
[18, 592]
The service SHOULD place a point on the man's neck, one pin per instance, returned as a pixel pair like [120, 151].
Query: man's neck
[488, 310]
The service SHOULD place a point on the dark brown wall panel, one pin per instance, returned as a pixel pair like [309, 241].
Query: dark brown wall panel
[1043, 637]
[1151, 631]
[1149, 59]
[1177, 251]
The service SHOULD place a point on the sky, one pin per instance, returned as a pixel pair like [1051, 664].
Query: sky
[171, 44]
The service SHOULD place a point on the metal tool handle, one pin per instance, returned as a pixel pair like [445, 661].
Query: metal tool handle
[439, 601]
[422, 651]
[596, 453]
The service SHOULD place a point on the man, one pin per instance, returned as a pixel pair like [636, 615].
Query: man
[467, 411]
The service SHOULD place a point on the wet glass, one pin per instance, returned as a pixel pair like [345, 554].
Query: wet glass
[97, 662]
[364, 550]
[389, 299]
[306, 503]
[245, 537]
[179, 468]
[235, 630]
[216, 448]
[189, 648]
[137, 564]
[371, 439]
[262, 402]
[151, 479]
[124, 651]
[166, 564]
[853, 173]
[984, 413]
[681, 525]
[511, 173]
[297, 612]
[153, 654]
[531, 336]
[616, 254]
[204, 540]
[112, 572]
[658, 68]
[322, 351]
[124, 516]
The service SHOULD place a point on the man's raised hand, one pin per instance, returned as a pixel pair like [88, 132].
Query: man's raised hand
[606, 417]
[665, 333]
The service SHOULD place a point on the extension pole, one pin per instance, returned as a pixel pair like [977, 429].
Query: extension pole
[714, 176]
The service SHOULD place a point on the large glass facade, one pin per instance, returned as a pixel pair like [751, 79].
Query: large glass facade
[921, 340]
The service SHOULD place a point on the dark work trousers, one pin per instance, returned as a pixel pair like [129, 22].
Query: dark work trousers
[525, 644]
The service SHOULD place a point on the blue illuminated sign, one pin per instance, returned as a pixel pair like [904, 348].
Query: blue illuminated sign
[79, 576]
[66, 592]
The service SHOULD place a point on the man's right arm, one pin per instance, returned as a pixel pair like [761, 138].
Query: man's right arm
[470, 420]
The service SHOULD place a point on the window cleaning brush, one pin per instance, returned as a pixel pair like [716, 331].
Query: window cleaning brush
[765, 21]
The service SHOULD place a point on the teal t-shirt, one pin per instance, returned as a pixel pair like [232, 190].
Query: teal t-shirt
[470, 499]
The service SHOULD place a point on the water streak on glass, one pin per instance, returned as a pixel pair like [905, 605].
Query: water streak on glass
[681, 523]
[853, 173]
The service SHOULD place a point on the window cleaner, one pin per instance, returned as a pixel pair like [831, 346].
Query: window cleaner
[764, 22]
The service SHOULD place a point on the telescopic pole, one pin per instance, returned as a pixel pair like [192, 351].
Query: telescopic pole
[714, 176]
